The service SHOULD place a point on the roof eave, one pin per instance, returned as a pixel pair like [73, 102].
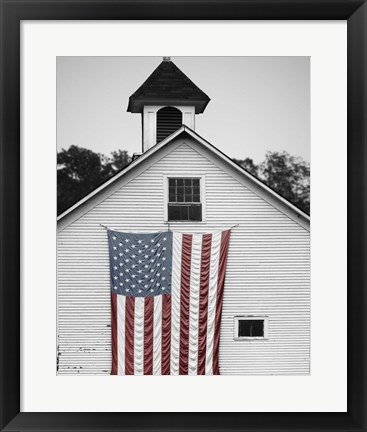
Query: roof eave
[137, 105]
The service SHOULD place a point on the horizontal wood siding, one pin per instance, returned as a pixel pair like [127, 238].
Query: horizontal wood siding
[268, 269]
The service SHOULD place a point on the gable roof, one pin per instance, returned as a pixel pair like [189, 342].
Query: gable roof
[222, 156]
[167, 85]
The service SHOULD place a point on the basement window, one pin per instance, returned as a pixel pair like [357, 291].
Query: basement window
[250, 327]
[184, 199]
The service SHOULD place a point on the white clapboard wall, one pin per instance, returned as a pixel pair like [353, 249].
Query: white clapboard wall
[268, 270]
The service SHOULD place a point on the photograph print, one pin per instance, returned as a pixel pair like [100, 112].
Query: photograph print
[183, 227]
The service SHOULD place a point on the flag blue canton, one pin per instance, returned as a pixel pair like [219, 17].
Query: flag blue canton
[140, 264]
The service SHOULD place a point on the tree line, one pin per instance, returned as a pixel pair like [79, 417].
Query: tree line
[80, 171]
[286, 174]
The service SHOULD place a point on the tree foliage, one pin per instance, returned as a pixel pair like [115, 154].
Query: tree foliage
[120, 159]
[288, 175]
[249, 166]
[80, 171]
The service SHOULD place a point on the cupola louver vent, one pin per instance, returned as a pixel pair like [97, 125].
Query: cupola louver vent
[169, 119]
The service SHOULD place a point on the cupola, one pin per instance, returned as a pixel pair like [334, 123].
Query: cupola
[166, 100]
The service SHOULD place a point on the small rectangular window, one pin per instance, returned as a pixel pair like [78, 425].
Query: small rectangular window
[184, 199]
[250, 327]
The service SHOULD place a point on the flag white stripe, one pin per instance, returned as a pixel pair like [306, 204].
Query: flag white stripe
[139, 336]
[212, 300]
[175, 303]
[194, 303]
[157, 335]
[121, 334]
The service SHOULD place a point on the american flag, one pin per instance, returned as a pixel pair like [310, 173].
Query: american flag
[166, 297]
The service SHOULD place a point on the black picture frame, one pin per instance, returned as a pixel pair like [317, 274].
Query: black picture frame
[12, 12]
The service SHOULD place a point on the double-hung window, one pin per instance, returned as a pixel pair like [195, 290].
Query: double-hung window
[184, 199]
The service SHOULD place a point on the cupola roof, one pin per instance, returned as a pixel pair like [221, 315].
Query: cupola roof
[168, 85]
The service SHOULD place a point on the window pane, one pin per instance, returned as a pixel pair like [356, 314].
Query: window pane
[251, 328]
[258, 328]
[195, 212]
[188, 182]
[196, 198]
[184, 213]
[172, 194]
[196, 182]
[180, 197]
[244, 328]
[171, 182]
[180, 182]
[188, 194]
[196, 190]
[174, 212]
[177, 212]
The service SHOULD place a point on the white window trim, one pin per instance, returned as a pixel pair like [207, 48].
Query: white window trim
[250, 317]
[201, 177]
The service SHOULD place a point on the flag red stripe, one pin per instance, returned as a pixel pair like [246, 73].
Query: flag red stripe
[148, 335]
[185, 303]
[203, 305]
[129, 335]
[218, 313]
[114, 369]
[166, 335]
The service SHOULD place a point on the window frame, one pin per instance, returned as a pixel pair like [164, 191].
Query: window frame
[264, 318]
[185, 175]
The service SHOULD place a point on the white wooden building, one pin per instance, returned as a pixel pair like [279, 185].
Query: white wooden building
[266, 307]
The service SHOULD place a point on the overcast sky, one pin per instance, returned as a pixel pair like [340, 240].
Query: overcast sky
[257, 103]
